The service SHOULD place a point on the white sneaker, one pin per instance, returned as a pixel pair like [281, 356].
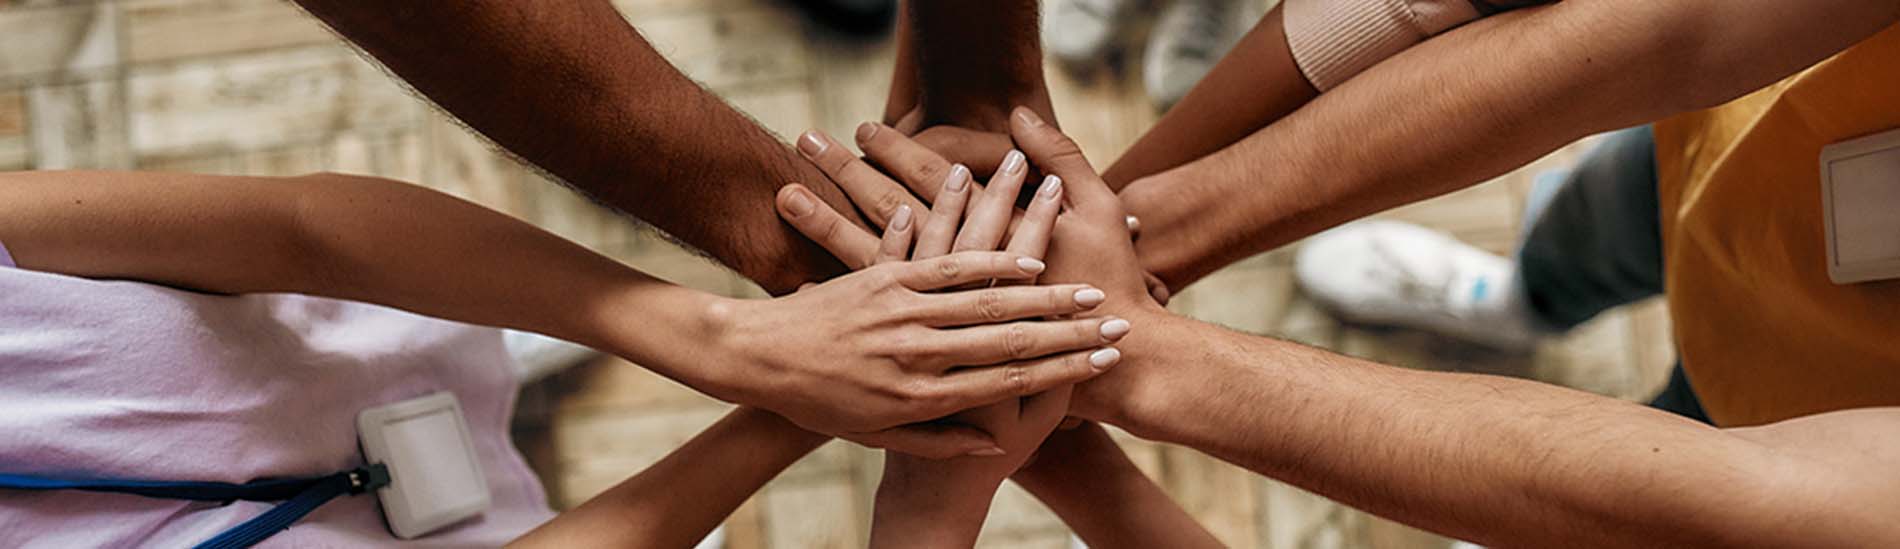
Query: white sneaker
[1398, 274]
[1079, 32]
[1189, 38]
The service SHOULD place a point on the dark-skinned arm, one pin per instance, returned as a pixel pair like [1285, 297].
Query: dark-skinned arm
[570, 87]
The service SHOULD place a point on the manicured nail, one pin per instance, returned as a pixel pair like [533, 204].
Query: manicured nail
[811, 144]
[1013, 162]
[900, 221]
[1029, 265]
[992, 451]
[1028, 117]
[1115, 329]
[1104, 358]
[866, 131]
[1090, 297]
[1050, 186]
[800, 203]
[1134, 223]
[959, 176]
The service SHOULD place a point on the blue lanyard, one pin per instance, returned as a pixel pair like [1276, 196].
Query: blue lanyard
[300, 496]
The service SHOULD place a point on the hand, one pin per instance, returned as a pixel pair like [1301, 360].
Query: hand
[924, 174]
[862, 356]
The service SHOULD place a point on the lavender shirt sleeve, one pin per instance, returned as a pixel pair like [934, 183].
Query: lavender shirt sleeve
[6, 259]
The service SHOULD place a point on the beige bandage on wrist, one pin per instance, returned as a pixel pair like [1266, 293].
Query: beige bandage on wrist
[1333, 40]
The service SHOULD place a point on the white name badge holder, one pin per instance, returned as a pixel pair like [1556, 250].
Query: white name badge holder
[435, 479]
[1860, 201]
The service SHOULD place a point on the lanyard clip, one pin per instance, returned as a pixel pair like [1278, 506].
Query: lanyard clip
[368, 477]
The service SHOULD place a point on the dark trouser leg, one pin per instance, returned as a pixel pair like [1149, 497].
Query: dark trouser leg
[1594, 241]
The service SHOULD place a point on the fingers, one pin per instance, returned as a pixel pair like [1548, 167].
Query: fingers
[992, 305]
[1056, 153]
[946, 214]
[817, 221]
[1156, 288]
[1032, 234]
[990, 212]
[877, 196]
[999, 343]
[920, 168]
[896, 243]
[932, 440]
[966, 267]
[978, 386]
[1045, 411]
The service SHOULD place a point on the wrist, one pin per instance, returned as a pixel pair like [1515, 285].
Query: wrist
[929, 503]
[1153, 380]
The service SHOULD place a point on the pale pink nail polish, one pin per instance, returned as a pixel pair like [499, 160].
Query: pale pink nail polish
[1050, 186]
[1013, 162]
[1115, 329]
[900, 221]
[1104, 358]
[811, 144]
[958, 178]
[1090, 297]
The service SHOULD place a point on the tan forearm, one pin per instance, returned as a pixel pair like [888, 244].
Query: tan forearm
[1077, 470]
[1472, 104]
[684, 496]
[1500, 461]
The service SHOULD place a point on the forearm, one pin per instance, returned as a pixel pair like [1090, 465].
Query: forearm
[680, 499]
[1254, 85]
[346, 237]
[921, 503]
[1090, 483]
[572, 88]
[975, 61]
[1472, 104]
[1500, 461]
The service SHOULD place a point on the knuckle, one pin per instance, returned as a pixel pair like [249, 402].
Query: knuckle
[927, 171]
[990, 305]
[1017, 341]
[1016, 378]
[950, 268]
[887, 202]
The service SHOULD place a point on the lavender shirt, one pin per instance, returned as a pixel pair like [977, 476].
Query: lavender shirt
[131, 380]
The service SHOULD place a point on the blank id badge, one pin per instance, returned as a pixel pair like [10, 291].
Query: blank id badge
[1860, 201]
[434, 477]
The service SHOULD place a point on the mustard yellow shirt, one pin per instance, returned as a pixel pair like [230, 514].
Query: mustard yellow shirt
[1764, 335]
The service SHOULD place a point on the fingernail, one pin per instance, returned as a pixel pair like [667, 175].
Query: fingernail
[1029, 265]
[900, 221]
[1090, 297]
[866, 131]
[1028, 117]
[811, 144]
[1013, 162]
[800, 204]
[959, 176]
[992, 451]
[1115, 329]
[1104, 358]
[1050, 186]
[1134, 223]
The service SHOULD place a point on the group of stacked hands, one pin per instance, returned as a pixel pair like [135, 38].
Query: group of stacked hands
[999, 284]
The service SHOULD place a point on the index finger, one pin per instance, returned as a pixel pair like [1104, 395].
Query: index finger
[874, 194]
[816, 220]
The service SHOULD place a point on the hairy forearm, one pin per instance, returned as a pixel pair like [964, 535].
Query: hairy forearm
[1472, 104]
[975, 61]
[572, 88]
[1501, 461]
[1254, 85]
[680, 499]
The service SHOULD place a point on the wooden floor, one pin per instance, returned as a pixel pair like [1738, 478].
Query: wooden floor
[148, 84]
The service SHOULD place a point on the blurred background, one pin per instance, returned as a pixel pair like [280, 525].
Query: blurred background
[256, 87]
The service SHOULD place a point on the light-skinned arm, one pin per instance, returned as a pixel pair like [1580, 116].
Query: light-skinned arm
[1500, 461]
[1474, 103]
[855, 357]
[570, 87]
[684, 496]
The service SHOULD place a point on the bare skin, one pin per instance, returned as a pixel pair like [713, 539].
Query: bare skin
[1609, 64]
[858, 357]
[1500, 461]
